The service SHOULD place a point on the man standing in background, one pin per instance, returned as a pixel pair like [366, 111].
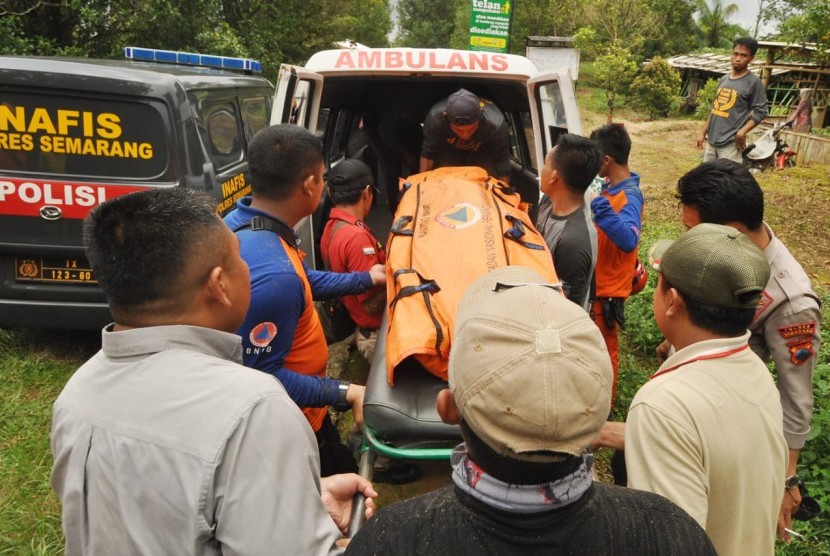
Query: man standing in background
[740, 104]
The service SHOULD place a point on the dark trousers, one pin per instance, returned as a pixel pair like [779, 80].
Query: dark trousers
[334, 456]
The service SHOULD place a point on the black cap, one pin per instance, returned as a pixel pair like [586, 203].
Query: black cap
[349, 175]
[463, 107]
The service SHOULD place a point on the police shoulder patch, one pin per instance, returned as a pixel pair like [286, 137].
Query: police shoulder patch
[801, 329]
[799, 340]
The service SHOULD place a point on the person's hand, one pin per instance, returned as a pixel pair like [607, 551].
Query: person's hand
[354, 396]
[378, 275]
[662, 351]
[789, 505]
[740, 140]
[701, 140]
[337, 492]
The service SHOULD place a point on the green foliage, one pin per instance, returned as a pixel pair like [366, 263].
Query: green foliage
[32, 377]
[674, 32]
[705, 98]
[713, 21]
[654, 90]
[807, 22]
[585, 39]
[427, 23]
[543, 17]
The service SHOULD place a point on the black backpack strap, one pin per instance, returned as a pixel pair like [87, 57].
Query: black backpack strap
[337, 225]
[259, 223]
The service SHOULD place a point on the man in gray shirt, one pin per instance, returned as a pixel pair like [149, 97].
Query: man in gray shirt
[163, 442]
[740, 104]
[564, 219]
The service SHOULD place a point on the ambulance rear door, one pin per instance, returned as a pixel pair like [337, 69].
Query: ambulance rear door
[298, 97]
[553, 109]
[298, 102]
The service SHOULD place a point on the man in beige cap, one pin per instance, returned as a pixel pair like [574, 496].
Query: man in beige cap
[706, 431]
[530, 386]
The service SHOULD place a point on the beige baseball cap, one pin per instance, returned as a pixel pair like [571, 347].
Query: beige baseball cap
[529, 370]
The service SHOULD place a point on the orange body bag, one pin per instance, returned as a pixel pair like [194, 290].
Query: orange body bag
[451, 226]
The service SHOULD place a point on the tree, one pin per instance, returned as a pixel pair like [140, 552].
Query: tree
[676, 31]
[803, 21]
[714, 20]
[615, 69]
[655, 89]
[427, 23]
[365, 21]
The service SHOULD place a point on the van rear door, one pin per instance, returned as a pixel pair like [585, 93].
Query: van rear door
[298, 97]
[298, 102]
[553, 109]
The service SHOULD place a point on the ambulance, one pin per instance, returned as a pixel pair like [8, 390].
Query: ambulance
[370, 104]
[76, 132]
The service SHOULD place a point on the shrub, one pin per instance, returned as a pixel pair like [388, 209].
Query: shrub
[655, 89]
[705, 98]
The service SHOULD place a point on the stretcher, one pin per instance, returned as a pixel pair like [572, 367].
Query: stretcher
[444, 216]
[401, 421]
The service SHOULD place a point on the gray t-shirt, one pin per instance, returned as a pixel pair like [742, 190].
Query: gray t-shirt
[736, 101]
[572, 241]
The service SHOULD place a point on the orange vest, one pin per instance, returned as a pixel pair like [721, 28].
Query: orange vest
[615, 267]
[452, 225]
[309, 352]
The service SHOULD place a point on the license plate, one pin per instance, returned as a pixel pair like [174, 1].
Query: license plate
[53, 269]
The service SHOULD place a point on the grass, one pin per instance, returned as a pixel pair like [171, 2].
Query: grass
[795, 203]
[36, 364]
[33, 370]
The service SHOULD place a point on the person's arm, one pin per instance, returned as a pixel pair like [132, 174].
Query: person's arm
[267, 486]
[622, 228]
[611, 435]
[499, 147]
[280, 301]
[663, 457]
[327, 285]
[425, 164]
[572, 261]
[701, 139]
[758, 111]
[795, 385]
[433, 135]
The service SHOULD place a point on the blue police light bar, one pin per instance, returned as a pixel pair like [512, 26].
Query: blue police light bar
[192, 59]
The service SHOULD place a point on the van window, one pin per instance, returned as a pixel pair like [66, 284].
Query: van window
[73, 136]
[527, 127]
[299, 104]
[256, 112]
[223, 133]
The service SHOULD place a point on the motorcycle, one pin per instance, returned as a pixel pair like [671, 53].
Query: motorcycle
[769, 150]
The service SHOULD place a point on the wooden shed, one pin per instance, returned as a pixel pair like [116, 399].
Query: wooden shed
[784, 69]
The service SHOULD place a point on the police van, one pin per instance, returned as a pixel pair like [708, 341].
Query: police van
[76, 132]
[370, 104]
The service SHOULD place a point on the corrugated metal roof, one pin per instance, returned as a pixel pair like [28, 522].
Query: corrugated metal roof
[720, 64]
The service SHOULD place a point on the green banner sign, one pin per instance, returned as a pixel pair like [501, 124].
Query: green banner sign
[490, 25]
